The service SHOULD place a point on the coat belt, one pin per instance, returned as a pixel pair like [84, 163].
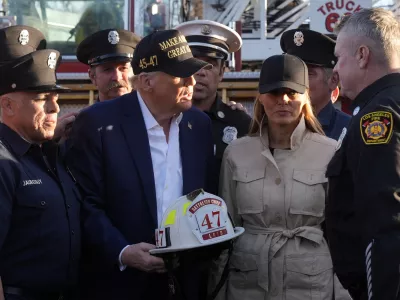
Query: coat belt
[275, 239]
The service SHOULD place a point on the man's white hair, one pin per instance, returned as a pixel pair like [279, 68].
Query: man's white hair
[377, 28]
[134, 79]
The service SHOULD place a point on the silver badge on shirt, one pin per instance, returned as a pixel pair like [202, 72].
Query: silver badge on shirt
[230, 134]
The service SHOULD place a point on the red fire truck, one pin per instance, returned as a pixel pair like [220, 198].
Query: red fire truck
[66, 23]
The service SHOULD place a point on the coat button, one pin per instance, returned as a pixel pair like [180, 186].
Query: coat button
[69, 206]
[278, 181]
[72, 232]
[43, 203]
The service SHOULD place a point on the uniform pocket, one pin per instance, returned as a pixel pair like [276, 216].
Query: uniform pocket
[308, 193]
[28, 214]
[309, 277]
[249, 190]
[31, 207]
[243, 276]
[30, 211]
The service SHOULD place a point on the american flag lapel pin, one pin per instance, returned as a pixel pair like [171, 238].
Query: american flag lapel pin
[189, 125]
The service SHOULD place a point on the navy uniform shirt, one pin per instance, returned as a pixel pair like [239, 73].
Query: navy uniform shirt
[333, 121]
[39, 217]
[363, 176]
[227, 125]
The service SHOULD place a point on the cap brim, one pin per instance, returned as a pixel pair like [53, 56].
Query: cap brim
[187, 68]
[207, 52]
[266, 88]
[158, 252]
[112, 59]
[48, 88]
[313, 64]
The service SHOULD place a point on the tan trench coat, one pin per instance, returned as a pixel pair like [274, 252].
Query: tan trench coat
[279, 199]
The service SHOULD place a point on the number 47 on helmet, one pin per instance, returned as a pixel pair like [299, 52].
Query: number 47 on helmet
[196, 228]
[199, 219]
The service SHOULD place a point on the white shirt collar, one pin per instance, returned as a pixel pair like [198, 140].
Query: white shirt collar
[149, 119]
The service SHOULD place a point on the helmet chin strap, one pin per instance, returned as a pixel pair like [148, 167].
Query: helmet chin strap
[185, 257]
[172, 262]
[225, 272]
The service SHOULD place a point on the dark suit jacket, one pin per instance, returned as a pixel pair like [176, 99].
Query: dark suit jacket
[110, 157]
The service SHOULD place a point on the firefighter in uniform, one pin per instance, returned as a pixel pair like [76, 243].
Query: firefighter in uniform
[108, 54]
[213, 42]
[317, 51]
[362, 215]
[39, 202]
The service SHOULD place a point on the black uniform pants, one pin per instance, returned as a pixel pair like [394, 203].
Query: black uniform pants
[383, 267]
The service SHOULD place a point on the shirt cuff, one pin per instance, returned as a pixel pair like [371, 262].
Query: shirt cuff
[122, 267]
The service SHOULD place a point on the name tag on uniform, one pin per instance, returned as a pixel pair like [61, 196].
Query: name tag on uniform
[32, 182]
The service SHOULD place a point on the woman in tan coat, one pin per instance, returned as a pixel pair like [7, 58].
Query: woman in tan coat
[273, 182]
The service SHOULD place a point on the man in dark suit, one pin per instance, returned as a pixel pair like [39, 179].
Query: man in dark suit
[133, 156]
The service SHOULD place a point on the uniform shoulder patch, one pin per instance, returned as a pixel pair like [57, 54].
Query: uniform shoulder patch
[376, 127]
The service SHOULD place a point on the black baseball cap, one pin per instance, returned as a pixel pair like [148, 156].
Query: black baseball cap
[34, 72]
[283, 71]
[166, 51]
[107, 45]
[311, 46]
[19, 40]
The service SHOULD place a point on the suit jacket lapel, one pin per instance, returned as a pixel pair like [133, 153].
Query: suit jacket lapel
[135, 133]
[187, 143]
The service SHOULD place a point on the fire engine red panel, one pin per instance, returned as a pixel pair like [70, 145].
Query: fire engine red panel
[72, 67]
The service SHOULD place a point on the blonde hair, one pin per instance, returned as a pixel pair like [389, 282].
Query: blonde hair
[259, 116]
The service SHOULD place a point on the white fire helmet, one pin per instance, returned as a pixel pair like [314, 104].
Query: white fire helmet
[196, 220]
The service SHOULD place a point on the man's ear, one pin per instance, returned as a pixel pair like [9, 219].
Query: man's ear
[221, 70]
[335, 94]
[363, 56]
[333, 81]
[8, 106]
[145, 82]
[92, 75]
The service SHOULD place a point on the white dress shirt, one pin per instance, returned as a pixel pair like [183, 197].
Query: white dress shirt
[166, 160]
